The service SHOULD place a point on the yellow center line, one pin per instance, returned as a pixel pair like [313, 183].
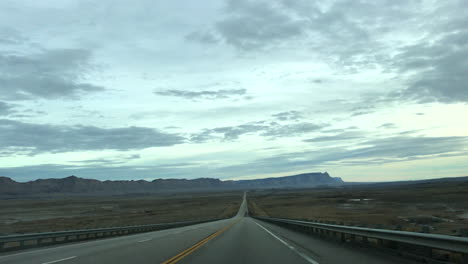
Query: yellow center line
[186, 252]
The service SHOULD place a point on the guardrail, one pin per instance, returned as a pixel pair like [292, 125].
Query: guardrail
[411, 244]
[16, 242]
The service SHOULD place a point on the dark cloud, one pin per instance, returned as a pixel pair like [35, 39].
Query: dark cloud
[252, 24]
[364, 107]
[28, 138]
[206, 95]
[5, 108]
[388, 126]
[352, 35]
[289, 115]
[26, 113]
[342, 30]
[437, 68]
[51, 74]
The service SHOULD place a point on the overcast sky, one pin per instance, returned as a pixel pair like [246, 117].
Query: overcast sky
[113, 89]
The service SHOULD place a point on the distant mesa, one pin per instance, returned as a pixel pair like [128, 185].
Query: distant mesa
[78, 186]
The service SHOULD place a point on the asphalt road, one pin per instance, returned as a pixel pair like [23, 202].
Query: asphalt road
[237, 240]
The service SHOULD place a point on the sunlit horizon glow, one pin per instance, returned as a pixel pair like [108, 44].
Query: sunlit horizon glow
[233, 89]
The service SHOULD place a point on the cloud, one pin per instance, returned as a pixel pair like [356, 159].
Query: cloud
[251, 24]
[229, 132]
[5, 108]
[202, 37]
[291, 130]
[354, 35]
[51, 74]
[365, 106]
[289, 115]
[387, 150]
[338, 137]
[441, 70]
[388, 126]
[379, 151]
[9, 36]
[205, 95]
[341, 30]
[264, 128]
[32, 139]
[107, 161]
[408, 147]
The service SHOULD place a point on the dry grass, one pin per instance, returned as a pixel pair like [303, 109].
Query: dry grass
[29, 216]
[431, 207]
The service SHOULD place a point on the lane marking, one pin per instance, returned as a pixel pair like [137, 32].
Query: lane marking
[144, 240]
[188, 251]
[58, 260]
[163, 232]
[304, 256]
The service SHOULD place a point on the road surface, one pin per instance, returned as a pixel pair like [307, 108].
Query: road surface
[240, 239]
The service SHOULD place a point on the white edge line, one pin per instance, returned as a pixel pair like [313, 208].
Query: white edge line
[58, 260]
[144, 240]
[310, 260]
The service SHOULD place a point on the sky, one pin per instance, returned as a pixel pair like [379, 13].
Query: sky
[233, 89]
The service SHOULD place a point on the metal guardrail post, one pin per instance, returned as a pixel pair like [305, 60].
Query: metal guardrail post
[365, 240]
[464, 258]
[343, 237]
[24, 241]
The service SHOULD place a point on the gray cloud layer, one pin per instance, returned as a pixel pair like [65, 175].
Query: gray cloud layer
[339, 137]
[269, 129]
[336, 59]
[289, 115]
[252, 24]
[439, 68]
[5, 108]
[38, 138]
[207, 95]
[344, 25]
[51, 74]
[353, 35]
[10, 36]
[378, 151]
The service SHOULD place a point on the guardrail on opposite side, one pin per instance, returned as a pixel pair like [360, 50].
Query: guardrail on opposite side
[16, 242]
[410, 244]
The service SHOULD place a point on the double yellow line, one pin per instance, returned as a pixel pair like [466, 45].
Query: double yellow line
[187, 252]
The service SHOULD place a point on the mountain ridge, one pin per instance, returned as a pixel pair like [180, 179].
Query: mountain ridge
[82, 186]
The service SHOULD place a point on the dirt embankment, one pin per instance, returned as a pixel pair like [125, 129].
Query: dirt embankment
[29, 216]
[434, 208]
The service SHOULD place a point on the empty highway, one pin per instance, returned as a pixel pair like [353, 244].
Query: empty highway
[240, 239]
